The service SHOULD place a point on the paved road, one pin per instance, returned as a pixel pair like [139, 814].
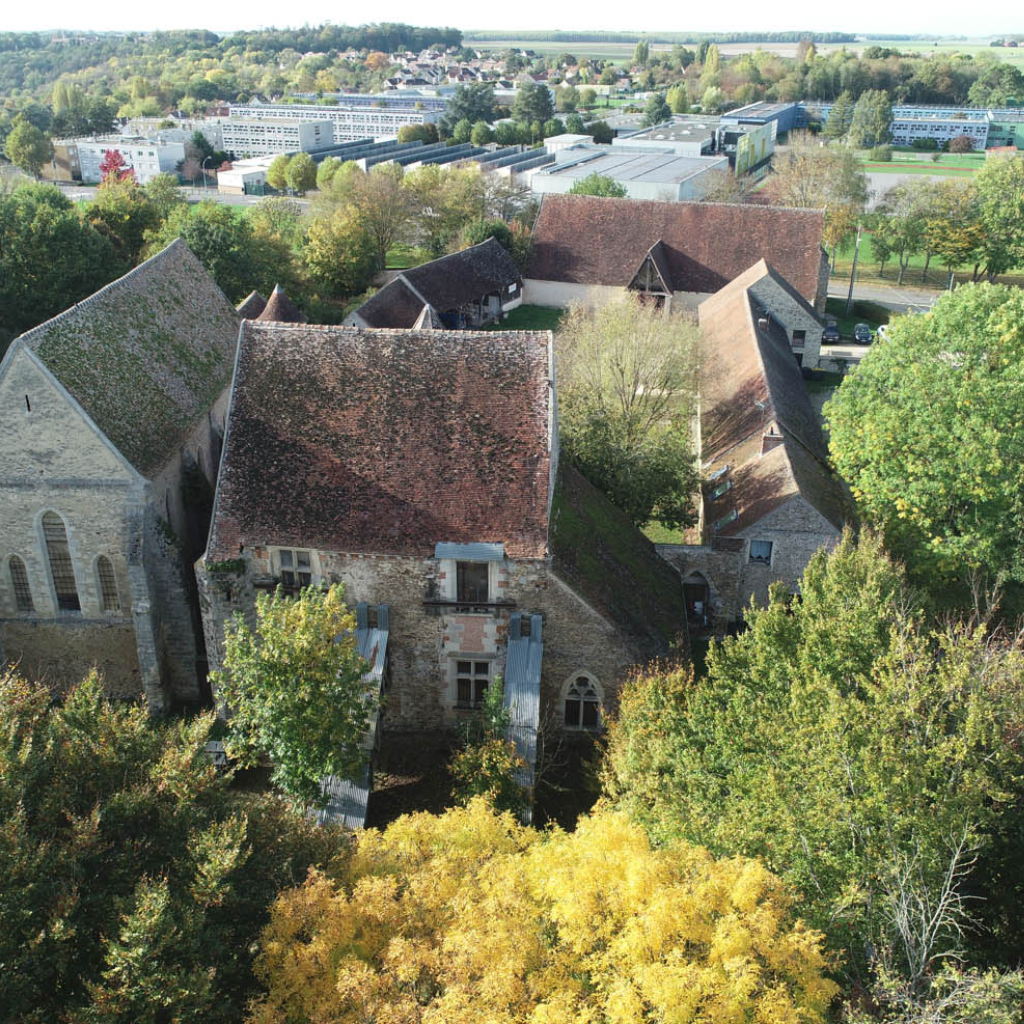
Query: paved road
[899, 300]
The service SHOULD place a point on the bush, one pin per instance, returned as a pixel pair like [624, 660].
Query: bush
[929, 144]
[880, 154]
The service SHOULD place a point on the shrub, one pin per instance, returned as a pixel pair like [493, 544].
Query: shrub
[929, 144]
[881, 154]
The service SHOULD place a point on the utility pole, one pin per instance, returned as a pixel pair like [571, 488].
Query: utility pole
[853, 273]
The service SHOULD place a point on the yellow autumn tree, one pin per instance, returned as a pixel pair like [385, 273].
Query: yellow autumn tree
[469, 916]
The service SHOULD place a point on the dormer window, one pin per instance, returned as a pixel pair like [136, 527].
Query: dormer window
[718, 474]
[730, 517]
[472, 582]
[722, 488]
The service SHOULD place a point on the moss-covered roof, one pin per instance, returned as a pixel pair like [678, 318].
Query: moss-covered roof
[147, 355]
[608, 561]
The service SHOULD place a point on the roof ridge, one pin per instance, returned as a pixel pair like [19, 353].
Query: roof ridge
[175, 244]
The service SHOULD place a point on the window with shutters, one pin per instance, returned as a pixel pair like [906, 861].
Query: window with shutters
[19, 581]
[582, 703]
[62, 572]
[109, 600]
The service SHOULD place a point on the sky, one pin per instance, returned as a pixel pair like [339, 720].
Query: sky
[943, 17]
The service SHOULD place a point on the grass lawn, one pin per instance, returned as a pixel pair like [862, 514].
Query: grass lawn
[530, 318]
[659, 533]
[937, 170]
[402, 257]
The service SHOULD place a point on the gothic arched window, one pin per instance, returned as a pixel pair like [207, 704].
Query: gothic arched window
[62, 572]
[582, 708]
[19, 580]
[109, 601]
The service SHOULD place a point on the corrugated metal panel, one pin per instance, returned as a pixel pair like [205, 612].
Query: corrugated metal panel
[523, 663]
[471, 552]
[347, 799]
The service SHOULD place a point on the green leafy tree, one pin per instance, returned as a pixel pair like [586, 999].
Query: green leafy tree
[598, 185]
[609, 76]
[840, 117]
[872, 119]
[588, 97]
[954, 230]
[326, 170]
[471, 103]
[926, 432]
[641, 53]
[462, 131]
[713, 100]
[425, 133]
[124, 211]
[553, 127]
[277, 172]
[50, 257]
[481, 134]
[900, 220]
[27, 147]
[678, 99]
[506, 133]
[133, 880]
[811, 176]
[627, 388]
[1000, 186]
[657, 111]
[838, 737]
[163, 192]
[567, 98]
[574, 124]
[601, 131]
[301, 173]
[339, 253]
[532, 103]
[278, 217]
[294, 684]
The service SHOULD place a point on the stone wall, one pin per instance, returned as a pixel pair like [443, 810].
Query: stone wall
[786, 310]
[561, 293]
[428, 637]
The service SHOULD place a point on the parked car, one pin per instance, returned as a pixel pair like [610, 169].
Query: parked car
[830, 336]
[862, 334]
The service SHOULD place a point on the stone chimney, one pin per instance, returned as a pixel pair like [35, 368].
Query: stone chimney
[770, 441]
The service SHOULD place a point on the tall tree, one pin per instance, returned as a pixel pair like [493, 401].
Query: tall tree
[339, 253]
[900, 220]
[954, 230]
[301, 173]
[124, 211]
[473, 102]
[811, 176]
[532, 103]
[928, 434]
[840, 117]
[27, 147]
[657, 111]
[1000, 186]
[872, 119]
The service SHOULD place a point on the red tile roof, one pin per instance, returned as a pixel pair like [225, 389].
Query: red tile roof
[347, 439]
[594, 240]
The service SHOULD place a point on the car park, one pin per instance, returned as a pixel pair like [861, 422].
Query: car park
[862, 334]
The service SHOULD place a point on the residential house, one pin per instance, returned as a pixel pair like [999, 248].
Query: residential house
[770, 499]
[591, 249]
[112, 415]
[466, 289]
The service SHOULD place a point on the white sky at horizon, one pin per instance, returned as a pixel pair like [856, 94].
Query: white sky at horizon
[941, 17]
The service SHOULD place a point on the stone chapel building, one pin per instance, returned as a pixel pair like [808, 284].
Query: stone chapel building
[111, 416]
[420, 468]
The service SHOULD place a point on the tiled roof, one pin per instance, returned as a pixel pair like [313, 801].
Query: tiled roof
[251, 306]
[446, 283]
[753, 386]
[594, 240]
[597, 550]
[348, 439]
[147, 355]
[428, 320]
[280, 309]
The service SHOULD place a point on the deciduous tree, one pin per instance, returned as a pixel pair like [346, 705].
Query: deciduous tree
[598, 185]
[301, 173]
[657, 111]
[294, 684]
[27, 147]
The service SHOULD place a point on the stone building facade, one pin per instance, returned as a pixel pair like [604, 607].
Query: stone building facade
[769, 499]
[420, 469]
[112, 415]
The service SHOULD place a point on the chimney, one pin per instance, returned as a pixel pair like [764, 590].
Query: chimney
[770, 441]
[762, 323]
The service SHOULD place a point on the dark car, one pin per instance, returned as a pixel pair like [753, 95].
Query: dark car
[830, 336]
[862, 334]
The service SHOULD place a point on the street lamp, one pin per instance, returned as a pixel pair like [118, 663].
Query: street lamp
[204, 170]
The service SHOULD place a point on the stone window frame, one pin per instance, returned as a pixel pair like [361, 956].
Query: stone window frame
[107, 589]
[757, 559]
[21, 590]
[277, 570]
[455, 658]
[48, 561]
[567, 687]
[449, 568]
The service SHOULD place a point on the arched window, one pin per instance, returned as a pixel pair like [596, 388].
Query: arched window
[582, 702]
[109, 601]
[19, 580]
[62, 572]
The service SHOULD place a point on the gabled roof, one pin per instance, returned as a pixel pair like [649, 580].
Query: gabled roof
[596, 240]
[445, 283]
[280, 309]
[428, 320]
[251, 306]
[754, 388]
[348, 439]
[597, 550]
[146, 356]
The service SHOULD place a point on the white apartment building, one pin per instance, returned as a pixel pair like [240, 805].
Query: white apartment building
[350, 122]
[938, 127]
[262, 136]
[146, 157]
